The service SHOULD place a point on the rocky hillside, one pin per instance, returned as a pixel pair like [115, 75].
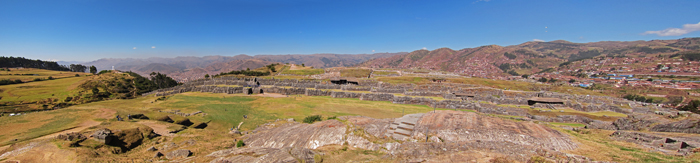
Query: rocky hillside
[527, 58]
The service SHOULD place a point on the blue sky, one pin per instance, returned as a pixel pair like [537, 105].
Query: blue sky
[84, 30]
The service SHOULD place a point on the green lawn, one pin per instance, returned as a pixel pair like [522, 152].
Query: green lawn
[41, 90]
[304, 72]
[355, 72]
[229, 110]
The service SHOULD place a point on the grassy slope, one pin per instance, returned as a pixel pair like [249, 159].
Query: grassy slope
[34, 91]
[40, 73]
[355, 72]
[38, 124]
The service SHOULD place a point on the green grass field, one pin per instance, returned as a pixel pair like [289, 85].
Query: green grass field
[40, 90]
[229, 110]
[385, 73]
[304, 72]
[23, 74]
[37, 124]
[355, 72]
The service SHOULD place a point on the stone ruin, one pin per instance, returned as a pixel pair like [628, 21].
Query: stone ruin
[484, 100]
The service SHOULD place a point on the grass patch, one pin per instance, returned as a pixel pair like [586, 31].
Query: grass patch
[355, 72]
[304, 72]
[568, 124]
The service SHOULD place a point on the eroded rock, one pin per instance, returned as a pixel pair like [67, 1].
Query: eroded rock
[176, 154]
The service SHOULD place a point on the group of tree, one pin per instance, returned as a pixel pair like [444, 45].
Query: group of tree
[162, 81]
[247, 72]
[691, 107]
[545, 80]
[639, 98]
[30, 63]
[77, 68]
[8, 81]
[510, 56]
[48, 65]
[271, 67]
[688, 55]
[121, 86]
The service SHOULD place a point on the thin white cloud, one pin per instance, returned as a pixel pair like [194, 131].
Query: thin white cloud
[537, 40]
[372, 51]
[153, 47]
[482, 1]
[687, 28]
[134, 47]
[425, 48]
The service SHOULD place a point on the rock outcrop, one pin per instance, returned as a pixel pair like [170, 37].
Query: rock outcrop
[176, 154]
[303, 135]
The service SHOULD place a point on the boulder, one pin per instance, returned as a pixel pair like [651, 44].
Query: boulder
[183, 121]
[165, 119]
[180, 153]
[200, 125]
[139, 116]
[151, 149]
[73, 136]
[128, 139]
[103, 135]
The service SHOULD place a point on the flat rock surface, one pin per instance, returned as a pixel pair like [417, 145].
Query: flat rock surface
[295, 134]
[459, 126]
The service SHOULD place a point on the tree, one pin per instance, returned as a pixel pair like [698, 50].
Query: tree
[526, 76]
[77, 68]
[692, 106]
[93, 69]
[247, 69]
[543, 80]
[302, 65]
[163, 81]
[206, 76]
[95, 90]
[30, 63]
[659, 67]
[572, 81]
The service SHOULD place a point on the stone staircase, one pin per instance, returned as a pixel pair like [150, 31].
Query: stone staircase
[403, 127]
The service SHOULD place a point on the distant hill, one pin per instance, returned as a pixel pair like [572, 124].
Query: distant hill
[180, 68]
[527, 58]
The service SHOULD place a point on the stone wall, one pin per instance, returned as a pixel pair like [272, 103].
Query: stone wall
[355, 88]
[387, 90]
[412, 100]
[316, 92]
[285, 91]
[377, 97]
[433, 94]
[345, 95]
[327, 86]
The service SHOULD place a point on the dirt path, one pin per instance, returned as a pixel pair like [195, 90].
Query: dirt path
[275, 95]
[159, 129]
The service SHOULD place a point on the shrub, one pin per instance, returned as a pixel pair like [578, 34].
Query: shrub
[240, 143]
[50, 77]
[312, 119]
[37, 79]
[333, 117]
[77, 75]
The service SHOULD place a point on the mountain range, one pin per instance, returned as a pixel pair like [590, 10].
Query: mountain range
[181, 68]
[527, 58]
